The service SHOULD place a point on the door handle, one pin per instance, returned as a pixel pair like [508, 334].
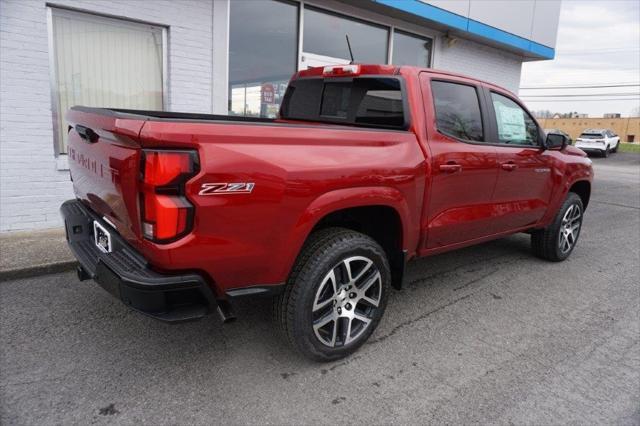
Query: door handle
[450, 168]
[510, 166]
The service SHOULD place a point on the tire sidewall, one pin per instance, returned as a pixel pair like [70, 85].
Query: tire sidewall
[309, 281]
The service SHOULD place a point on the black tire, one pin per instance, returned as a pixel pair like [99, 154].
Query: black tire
[325, 252]
[606, 152]
[616, 148]
[545, 243]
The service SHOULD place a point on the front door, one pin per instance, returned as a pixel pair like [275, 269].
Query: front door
[463, 167]
[525, 170]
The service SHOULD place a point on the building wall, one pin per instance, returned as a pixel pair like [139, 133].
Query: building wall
[480, 61]
[34, 182]
[31, 186]
[624, 127]
[535, 20]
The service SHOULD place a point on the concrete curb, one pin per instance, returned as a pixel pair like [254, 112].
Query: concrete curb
[37, 270]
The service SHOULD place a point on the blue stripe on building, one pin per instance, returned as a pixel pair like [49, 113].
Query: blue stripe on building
[471, 26]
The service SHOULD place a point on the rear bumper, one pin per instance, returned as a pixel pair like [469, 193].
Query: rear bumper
[126, 275]
[591, 148]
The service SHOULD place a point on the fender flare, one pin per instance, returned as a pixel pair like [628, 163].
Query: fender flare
[559, 196]
[341, 199]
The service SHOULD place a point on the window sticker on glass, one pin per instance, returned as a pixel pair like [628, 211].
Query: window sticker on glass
[515, 125]
[511, 124]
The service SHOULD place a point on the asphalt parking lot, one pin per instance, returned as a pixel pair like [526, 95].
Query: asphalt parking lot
[488, 334]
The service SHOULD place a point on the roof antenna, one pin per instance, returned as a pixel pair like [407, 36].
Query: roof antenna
[349, 46]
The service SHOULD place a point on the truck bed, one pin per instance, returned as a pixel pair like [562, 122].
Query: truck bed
[138, 114]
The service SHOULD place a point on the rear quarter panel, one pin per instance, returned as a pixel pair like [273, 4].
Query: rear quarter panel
[301, 173]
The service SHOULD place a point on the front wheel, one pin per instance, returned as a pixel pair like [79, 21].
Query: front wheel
[335, 295]
[557, 241]
[615, 149]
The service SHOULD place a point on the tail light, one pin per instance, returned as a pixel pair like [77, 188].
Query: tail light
[167, 214]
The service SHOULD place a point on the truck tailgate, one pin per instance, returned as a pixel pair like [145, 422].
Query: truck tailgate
[104, 161]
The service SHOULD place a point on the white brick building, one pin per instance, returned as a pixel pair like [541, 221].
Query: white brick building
[218, 56]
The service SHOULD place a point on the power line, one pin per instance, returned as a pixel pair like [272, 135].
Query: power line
[602, 49]
[580, 100]
[602, 52]
[580, 87]
[578, 96]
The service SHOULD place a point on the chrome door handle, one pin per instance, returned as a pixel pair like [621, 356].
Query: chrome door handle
[509, 166]
[450, 168]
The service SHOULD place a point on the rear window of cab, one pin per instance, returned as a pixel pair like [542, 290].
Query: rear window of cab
[359, 101]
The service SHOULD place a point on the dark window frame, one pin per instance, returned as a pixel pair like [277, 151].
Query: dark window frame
[318, 117]
[482, 107]
[494, 119]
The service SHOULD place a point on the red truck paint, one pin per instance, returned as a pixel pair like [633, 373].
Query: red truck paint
[447, 194]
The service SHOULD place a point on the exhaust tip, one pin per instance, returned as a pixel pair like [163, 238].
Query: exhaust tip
[225, 310]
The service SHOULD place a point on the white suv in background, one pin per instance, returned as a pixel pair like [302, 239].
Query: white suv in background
[602, 141]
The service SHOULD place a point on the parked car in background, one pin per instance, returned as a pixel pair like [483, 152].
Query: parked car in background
[602, 141]
[559, 132]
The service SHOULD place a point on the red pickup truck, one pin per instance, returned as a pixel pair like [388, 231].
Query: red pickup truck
[367, 167]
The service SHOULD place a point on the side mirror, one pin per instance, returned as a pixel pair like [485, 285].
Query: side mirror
[556, 141]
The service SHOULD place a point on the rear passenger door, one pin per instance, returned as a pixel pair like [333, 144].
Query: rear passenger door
[526, 170]
[463, 167]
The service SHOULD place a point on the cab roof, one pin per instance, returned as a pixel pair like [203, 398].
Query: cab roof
[343, 70]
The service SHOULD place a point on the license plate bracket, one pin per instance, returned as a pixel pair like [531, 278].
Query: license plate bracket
[102, 237]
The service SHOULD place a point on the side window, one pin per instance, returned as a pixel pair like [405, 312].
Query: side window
[515, 126]
[457, 110]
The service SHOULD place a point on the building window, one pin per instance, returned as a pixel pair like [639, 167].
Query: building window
[324, 35]
[263, 41]
[409, 49]
[103, 62]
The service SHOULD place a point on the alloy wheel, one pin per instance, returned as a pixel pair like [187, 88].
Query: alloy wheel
[570, 228]
[346, 301]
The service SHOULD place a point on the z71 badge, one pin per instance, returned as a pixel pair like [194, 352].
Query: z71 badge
[226, 188]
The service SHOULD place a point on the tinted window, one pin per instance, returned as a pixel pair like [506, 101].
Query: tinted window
[515, 126]
[263, 40]
[335, 100]
[457, 110]
[381, 106]
[324, 34]
[368, 100]
[411, 50]
[591, 136]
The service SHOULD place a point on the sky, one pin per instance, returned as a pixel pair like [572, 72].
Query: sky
[598, 44]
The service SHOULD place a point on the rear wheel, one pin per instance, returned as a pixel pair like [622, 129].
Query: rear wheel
[336, 294]
[606, 152]
[615, 149]
[557, 241]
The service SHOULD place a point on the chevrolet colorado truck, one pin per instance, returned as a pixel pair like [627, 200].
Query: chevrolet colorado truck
[366, 167]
